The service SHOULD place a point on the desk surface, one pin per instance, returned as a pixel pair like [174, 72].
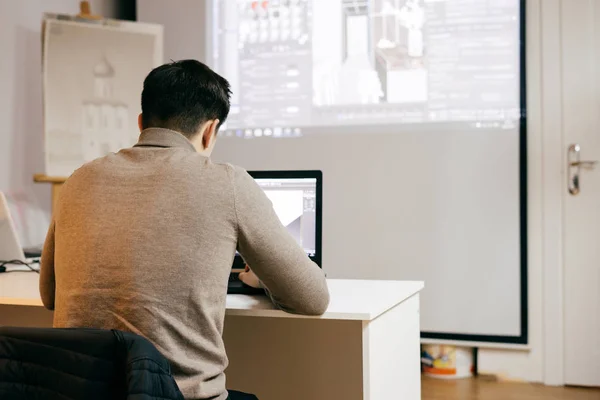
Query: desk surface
[350, 299]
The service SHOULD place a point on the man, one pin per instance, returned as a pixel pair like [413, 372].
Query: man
[144, 240]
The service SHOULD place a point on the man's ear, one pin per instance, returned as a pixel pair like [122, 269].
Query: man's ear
[209, 133]
[140, 124]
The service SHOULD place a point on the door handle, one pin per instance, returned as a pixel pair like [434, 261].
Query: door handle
[584, 164]
[574, 166]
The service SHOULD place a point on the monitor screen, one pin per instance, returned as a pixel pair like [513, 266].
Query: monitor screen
[294, 201]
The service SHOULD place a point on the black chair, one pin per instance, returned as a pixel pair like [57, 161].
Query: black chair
[78, 364]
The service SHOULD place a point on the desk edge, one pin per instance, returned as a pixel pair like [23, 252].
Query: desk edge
[11, 301]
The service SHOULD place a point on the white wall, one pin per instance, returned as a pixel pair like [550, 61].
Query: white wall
[21, 131]
[184, 33]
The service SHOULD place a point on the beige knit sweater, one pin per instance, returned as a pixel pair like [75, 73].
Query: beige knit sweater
[143, 240]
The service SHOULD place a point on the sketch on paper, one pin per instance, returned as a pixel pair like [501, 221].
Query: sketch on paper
[93, 78]
[104, 117]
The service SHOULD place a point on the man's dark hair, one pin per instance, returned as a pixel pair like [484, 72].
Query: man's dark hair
[182, 95]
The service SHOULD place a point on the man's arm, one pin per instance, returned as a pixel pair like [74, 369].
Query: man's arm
[47, 282]
[293, 281]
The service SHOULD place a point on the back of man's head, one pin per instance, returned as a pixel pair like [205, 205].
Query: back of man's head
[183, 96]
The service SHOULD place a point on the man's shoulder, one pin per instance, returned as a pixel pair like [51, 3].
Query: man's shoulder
[233, 171]
[86, 169]
[239, 180]
[96, 167]
[219, 171]
[225, 167]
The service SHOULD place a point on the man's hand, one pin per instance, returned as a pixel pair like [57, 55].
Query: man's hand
[249, 278]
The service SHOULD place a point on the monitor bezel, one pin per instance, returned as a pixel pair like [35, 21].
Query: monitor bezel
[298, 174]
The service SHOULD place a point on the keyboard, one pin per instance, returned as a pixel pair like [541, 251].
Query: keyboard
[234, 277]
[235, 286]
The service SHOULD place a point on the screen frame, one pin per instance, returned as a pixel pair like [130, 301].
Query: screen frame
[523, 337]
[297, 174]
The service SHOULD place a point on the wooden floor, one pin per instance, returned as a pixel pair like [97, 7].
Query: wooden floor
[479, 389]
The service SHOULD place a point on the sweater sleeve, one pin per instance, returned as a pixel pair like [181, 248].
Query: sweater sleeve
[294, 283]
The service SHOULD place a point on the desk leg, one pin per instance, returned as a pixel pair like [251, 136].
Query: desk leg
[391, 345]
[25, 316]
[295, 358]
[308, 359]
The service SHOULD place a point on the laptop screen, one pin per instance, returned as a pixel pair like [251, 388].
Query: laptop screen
[294, 202]
[10, 248]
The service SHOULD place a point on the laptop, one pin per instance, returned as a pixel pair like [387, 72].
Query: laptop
[10, 247]
[297, 200]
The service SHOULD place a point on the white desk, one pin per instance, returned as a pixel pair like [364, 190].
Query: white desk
[366, 346]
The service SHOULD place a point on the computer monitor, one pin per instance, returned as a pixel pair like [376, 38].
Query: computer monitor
[297, 201]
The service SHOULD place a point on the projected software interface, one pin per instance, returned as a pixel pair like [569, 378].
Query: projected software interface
[294, 201]
[302, 63]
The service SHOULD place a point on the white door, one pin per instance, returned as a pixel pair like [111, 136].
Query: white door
[581, 220]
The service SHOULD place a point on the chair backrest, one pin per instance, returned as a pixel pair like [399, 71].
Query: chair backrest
[46, 363]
